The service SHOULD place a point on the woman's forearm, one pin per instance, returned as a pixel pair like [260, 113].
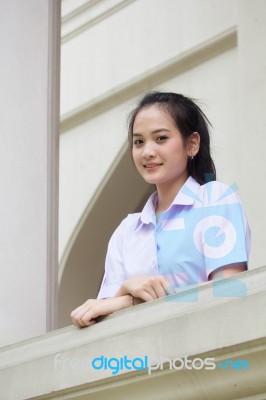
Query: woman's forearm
[87, 313]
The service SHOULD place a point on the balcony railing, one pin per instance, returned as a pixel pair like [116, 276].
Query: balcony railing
[197, 344]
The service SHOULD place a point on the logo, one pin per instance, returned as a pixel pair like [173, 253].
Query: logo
[125, 363]
[202, 239]
[219, 236]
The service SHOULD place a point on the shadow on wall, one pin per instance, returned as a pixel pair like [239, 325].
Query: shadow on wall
[125, 192]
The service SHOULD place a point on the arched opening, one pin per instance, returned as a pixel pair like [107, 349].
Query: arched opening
[82, 269]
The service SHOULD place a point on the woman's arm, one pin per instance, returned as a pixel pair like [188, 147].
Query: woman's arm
[228, 270]
[86, 314]
[145, 287]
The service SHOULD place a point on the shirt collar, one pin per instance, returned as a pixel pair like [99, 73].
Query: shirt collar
[186, 196]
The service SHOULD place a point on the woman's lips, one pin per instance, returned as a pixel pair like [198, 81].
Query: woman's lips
[152, 166]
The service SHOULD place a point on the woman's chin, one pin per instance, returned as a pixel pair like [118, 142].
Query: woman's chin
[151, 180]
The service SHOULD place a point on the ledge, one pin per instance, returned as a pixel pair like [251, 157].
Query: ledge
[203, 52]
[87, 15]
[58, 365]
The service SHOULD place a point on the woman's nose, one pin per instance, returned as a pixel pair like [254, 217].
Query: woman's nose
[148, 150]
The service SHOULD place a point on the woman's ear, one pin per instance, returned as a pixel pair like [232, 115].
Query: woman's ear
[193, 144]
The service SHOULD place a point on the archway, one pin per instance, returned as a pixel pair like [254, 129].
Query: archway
[123, 193]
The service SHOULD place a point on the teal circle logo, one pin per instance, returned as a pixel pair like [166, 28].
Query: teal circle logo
[214, 236]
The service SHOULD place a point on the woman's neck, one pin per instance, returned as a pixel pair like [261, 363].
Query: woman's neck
[167, 193]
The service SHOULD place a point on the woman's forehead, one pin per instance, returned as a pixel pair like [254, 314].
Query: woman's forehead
[153, 114]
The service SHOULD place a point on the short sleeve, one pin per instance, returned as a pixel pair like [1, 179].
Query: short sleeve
[225, 233]
[114, 274]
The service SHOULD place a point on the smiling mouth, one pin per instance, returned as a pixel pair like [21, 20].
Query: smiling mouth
[151, 166]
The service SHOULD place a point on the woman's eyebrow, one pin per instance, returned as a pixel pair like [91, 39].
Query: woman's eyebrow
[160, 130]
[153, 132]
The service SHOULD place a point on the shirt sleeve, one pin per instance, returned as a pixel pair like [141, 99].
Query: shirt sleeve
[225, 230]
[114, 274]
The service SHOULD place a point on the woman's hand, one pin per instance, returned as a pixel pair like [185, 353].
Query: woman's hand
[86, 314]
[146, 288]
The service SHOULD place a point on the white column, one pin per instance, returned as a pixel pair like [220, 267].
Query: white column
[29, 131]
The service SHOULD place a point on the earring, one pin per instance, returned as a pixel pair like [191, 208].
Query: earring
[192, 156]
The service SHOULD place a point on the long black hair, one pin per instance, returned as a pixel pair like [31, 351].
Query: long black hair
[189, 118]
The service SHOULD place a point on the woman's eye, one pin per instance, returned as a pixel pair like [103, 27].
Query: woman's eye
[161, 138]
[137, 142]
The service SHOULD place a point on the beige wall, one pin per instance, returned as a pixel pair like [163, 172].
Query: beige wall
[217, 53]
[210, 50]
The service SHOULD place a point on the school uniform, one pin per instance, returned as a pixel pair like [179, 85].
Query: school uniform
[205, 228]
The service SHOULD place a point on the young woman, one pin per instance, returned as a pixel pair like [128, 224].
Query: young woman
[191, 230]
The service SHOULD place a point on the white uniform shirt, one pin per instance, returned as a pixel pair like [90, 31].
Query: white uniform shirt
[204, 228]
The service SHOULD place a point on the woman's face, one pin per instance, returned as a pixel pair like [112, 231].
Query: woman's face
[159, 152]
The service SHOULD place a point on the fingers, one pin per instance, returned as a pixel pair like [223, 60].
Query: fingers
[165, 284]
[84, 315]
[158, 285]
[83, 322]
[159, 289]
[146, 295]
[148, 288]
[77, 319]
